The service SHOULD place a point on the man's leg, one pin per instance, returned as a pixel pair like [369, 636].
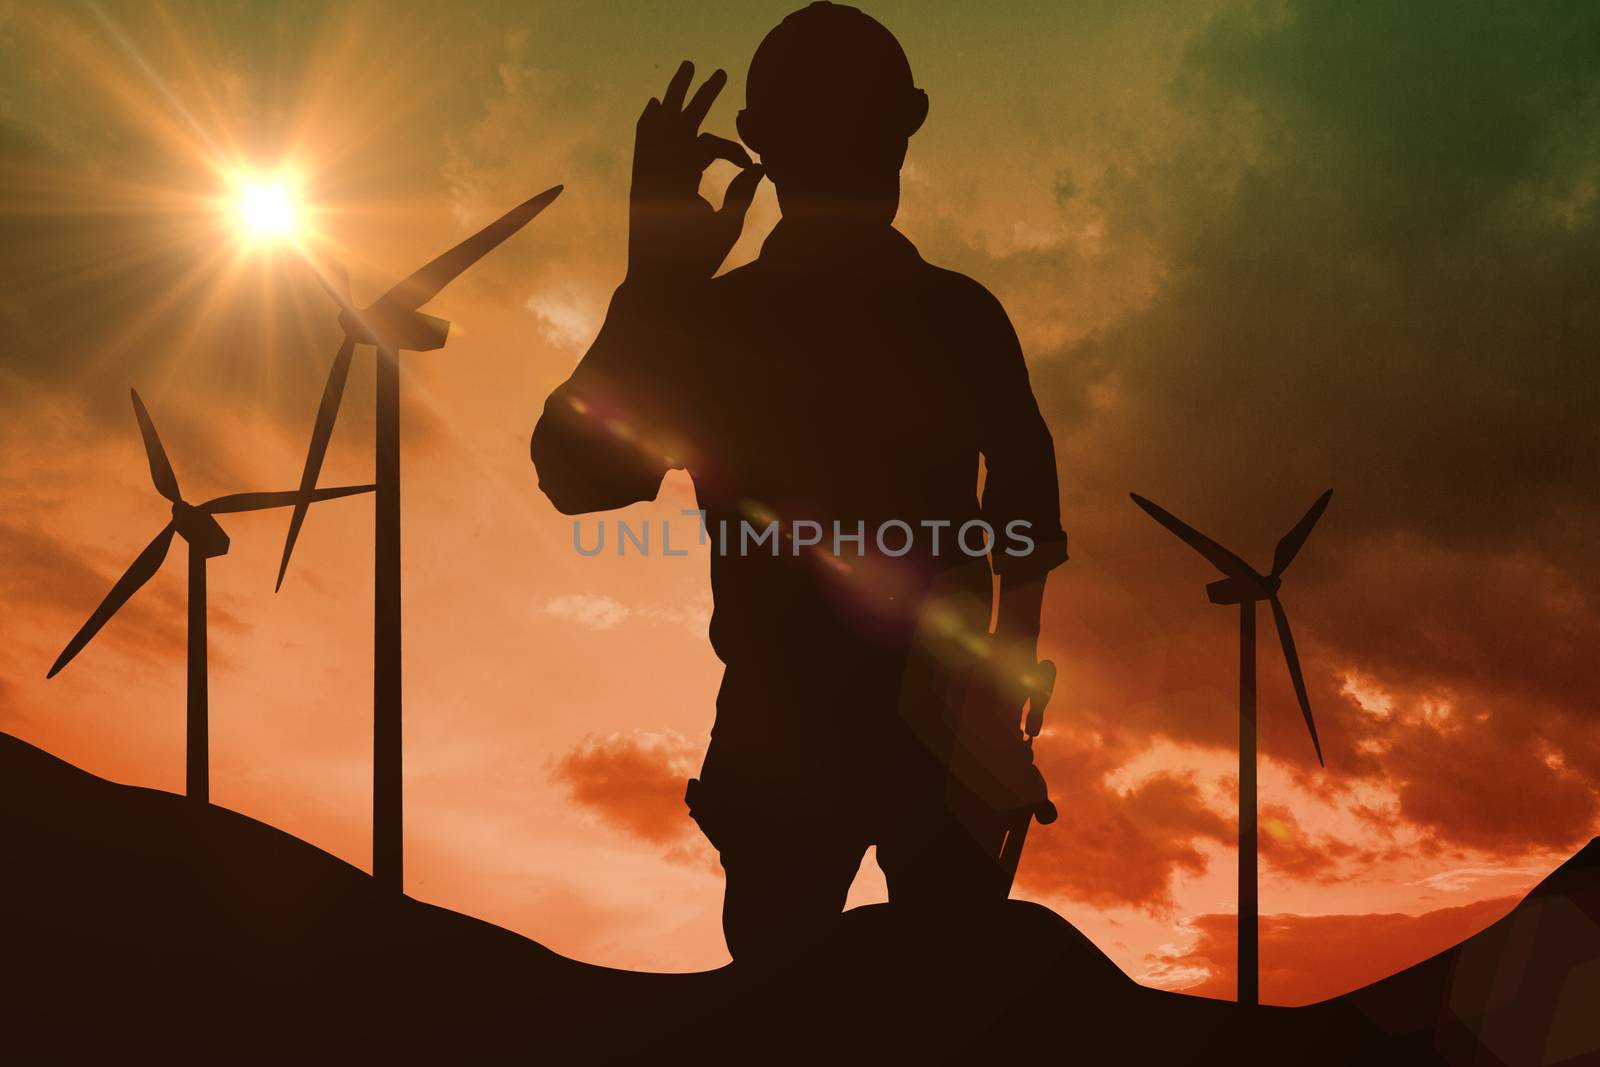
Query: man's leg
[942, 867]
[782, 900]
[774, 802]
[786, 879]
[938, 844]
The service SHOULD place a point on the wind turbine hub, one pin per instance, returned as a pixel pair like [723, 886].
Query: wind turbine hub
[1243, 590]
[396, 329]
[202, 532]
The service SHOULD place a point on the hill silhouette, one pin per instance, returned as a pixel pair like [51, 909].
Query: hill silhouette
[136, 921]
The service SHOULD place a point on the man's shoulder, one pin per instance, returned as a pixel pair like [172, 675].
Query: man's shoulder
[937, 288]
[958, 286]
[964, 296]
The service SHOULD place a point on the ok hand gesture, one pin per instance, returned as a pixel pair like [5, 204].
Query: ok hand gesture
[674, 235]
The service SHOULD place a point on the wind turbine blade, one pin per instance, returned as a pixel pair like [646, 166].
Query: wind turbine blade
[234, 502]
[1289, 547]
[327, 413]
[139, 572]
[425, 284]
[1293, 659]
[160, 467]
[1221, 558]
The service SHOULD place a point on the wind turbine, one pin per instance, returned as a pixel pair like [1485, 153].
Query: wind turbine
[391, 324]
[205, 537]
[1245, 586]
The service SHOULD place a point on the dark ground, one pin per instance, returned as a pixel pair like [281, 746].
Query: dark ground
[136, 922]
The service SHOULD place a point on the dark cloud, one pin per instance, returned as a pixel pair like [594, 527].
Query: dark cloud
[1381, 226]
[1482, 779]
[1388, 294]
[1065, 187]
[1308, 958]
[1114, 848]
[1382, 231]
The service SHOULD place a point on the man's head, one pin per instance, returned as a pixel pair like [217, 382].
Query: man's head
[830, 105]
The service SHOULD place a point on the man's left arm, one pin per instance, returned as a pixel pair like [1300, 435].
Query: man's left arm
[1021, 496]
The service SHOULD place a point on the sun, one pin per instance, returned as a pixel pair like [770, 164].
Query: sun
[265, 210]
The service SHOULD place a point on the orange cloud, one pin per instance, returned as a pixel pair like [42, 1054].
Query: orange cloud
[1291, 850]
[1112, 848]
[1308, 958]
[634, 781]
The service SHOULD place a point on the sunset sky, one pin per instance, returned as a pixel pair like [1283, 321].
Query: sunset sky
[1252, 250]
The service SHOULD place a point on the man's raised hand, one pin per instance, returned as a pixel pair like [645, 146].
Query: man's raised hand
[674, 235]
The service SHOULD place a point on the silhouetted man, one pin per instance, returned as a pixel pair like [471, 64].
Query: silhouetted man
[831, 402]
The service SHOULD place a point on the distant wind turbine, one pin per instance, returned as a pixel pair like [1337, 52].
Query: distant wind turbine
[205, 538]
[391, 324]
[1245, 586]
